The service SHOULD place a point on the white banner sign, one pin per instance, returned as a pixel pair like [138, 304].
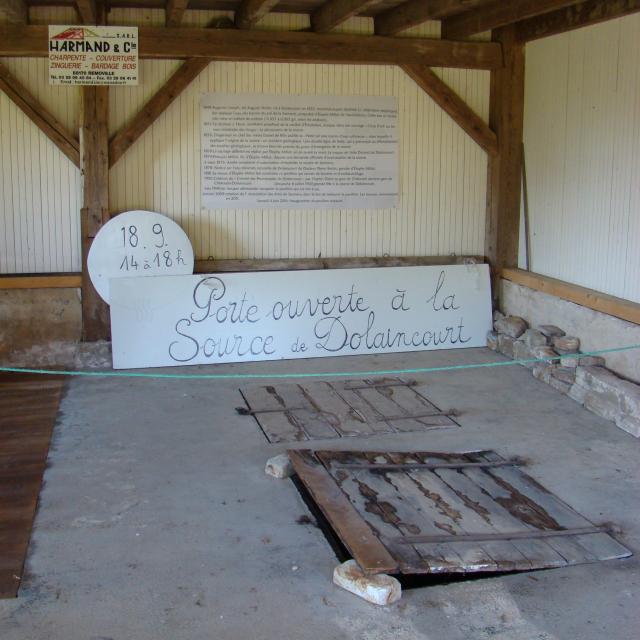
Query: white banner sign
[90, 55]
[207, 319]
[295, 152]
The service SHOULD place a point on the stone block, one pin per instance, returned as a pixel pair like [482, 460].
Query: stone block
[545, 352]
[602, 405]
[625, 394]
[577, 393]
[566, 374]
[522, 352]
[592, 361]
[570, 362]
[629, 424]
[512, 326]
[542, 371]
[566, 344]
[550, 330]
[533, 338]
[492, 340]
[379, 589]
[505, 345]
[279, 466]
[497, 315]
[559, 385]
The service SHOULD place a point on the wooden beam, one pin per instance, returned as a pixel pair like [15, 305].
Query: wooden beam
[41, 117]
[95, 169]
[334, 12]
[160, 101]
[278, 46]
[497, 14]
[250, 12]
[415, 12]
[15, 11]
[48, 281]
[454, 105]
[303, 264]
[175, 12]
[602, 302]
[506, 115]
[87, 11]
[581, 15]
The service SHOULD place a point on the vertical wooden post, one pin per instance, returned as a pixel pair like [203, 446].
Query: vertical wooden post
[94, 157]
[506, 115]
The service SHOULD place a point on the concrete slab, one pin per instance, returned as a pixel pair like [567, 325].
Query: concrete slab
[157, 520]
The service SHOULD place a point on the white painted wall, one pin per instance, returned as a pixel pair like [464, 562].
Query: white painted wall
[582, 149]
[443, 173]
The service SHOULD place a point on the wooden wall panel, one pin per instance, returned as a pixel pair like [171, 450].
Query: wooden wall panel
[582, 151]
[443, 173]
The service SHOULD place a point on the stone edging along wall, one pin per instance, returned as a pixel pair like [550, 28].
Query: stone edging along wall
[583, 378]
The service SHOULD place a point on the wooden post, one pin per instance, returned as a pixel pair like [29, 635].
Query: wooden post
[94, 154]
[506, 111]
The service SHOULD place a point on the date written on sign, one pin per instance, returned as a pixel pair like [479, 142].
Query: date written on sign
[138, 243]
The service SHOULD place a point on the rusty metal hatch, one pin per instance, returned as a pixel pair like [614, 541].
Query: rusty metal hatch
[324, 410]
[417, 513]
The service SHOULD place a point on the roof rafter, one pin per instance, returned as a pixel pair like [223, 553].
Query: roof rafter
[415, 12]
[498, 14]
[87, 11]
[335, 12]
[251, 11]
[581, 15]
[175, 12]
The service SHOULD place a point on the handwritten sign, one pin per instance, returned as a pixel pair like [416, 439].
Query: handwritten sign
[296, 152]
[138, 243]
[207, 319]
[93, 55]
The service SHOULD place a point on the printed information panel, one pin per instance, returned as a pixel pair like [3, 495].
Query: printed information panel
[295, 152]
[94, 55]
[241, 317]
[138, 243]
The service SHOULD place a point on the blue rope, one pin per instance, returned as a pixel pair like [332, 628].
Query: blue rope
[329, 374]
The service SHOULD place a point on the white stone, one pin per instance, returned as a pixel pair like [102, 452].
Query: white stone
[492, 340]
[279, 466]
[577, 393]
[513, 326]
[379, 588]
[629, 424]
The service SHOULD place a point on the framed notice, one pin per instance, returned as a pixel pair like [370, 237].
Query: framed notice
[299, 152]
[93, 55]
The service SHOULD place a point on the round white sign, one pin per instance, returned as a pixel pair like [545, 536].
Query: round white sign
[138, 243]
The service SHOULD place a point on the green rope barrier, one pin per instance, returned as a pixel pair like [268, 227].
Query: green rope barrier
[328, 374]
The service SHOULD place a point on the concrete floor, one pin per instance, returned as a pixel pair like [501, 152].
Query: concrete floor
[157, 522]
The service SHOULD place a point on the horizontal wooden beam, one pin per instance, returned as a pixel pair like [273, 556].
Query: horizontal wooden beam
[497, 14]
[158, 103]
[454, 105]
[580, 15]
[235, 266]
[618, 307]
[49, 281]
[415, 12]
[251, 11]
[41, 117]
[278, 46]
[15, 10]
[334, 12]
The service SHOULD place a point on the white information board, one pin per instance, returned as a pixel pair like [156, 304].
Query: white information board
[138, 243]
[93, 55]
[294, 152]
[207, 319]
